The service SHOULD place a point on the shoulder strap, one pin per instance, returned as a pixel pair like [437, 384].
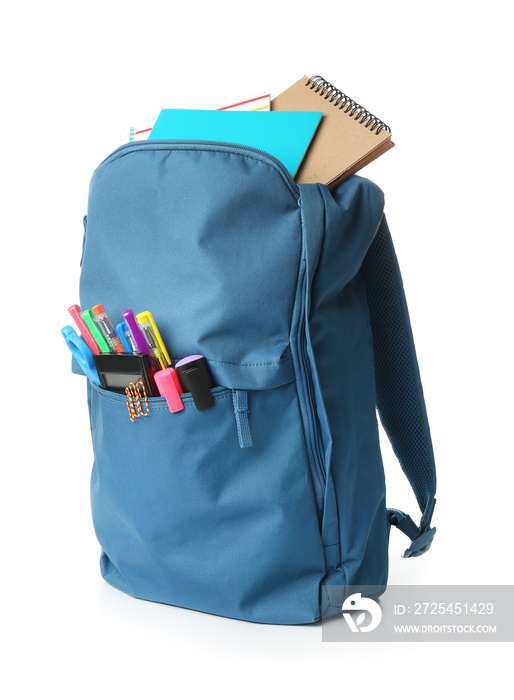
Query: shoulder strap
[399, 393]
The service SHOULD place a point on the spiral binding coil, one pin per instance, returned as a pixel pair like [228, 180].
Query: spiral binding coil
[349, 106]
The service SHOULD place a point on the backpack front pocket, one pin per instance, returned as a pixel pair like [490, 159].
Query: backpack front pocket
[185, 516]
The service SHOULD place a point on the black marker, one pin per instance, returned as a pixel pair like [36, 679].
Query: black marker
[195, 377]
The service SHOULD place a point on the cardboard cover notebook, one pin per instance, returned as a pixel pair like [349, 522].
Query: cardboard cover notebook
[348, 138]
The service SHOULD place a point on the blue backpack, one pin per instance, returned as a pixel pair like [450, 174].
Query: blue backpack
[262, 506]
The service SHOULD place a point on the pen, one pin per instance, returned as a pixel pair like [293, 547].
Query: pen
[141, 343]
[89, 318]
[146, 317]
[148, 329]
[156, 355]
[86, 334]
[106, 329]
[129, 344]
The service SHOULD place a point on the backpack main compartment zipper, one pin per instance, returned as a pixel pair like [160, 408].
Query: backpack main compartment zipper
[306, 395]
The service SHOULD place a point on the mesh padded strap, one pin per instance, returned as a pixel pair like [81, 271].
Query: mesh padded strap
[399, 393]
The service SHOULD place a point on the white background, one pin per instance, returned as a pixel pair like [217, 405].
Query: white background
[73, 74]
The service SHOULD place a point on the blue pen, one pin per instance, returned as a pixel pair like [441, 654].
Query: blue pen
[127, 340]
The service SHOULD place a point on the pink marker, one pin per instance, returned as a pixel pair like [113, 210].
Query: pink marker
[86, 333]
[169, 386]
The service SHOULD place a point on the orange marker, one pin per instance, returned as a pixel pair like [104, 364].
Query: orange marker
[106, 329]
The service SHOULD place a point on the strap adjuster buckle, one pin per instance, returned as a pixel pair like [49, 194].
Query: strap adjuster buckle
[421, 544]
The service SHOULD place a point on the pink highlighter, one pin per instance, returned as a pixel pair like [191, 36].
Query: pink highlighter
[169, 386]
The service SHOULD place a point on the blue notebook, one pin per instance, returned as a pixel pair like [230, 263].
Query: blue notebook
[286, 135]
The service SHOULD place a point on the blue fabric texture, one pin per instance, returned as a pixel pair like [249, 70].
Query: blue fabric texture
[258, 507]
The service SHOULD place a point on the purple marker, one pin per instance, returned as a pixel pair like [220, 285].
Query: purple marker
[141, 343]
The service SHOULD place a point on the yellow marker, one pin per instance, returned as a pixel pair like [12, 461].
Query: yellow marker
[145, 318]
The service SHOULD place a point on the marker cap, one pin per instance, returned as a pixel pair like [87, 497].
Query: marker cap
[169, 387]
[195, 376]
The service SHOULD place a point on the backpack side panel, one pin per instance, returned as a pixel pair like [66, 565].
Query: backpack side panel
[355, 525]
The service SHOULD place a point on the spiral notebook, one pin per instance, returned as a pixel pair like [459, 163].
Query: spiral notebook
[348, 138]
